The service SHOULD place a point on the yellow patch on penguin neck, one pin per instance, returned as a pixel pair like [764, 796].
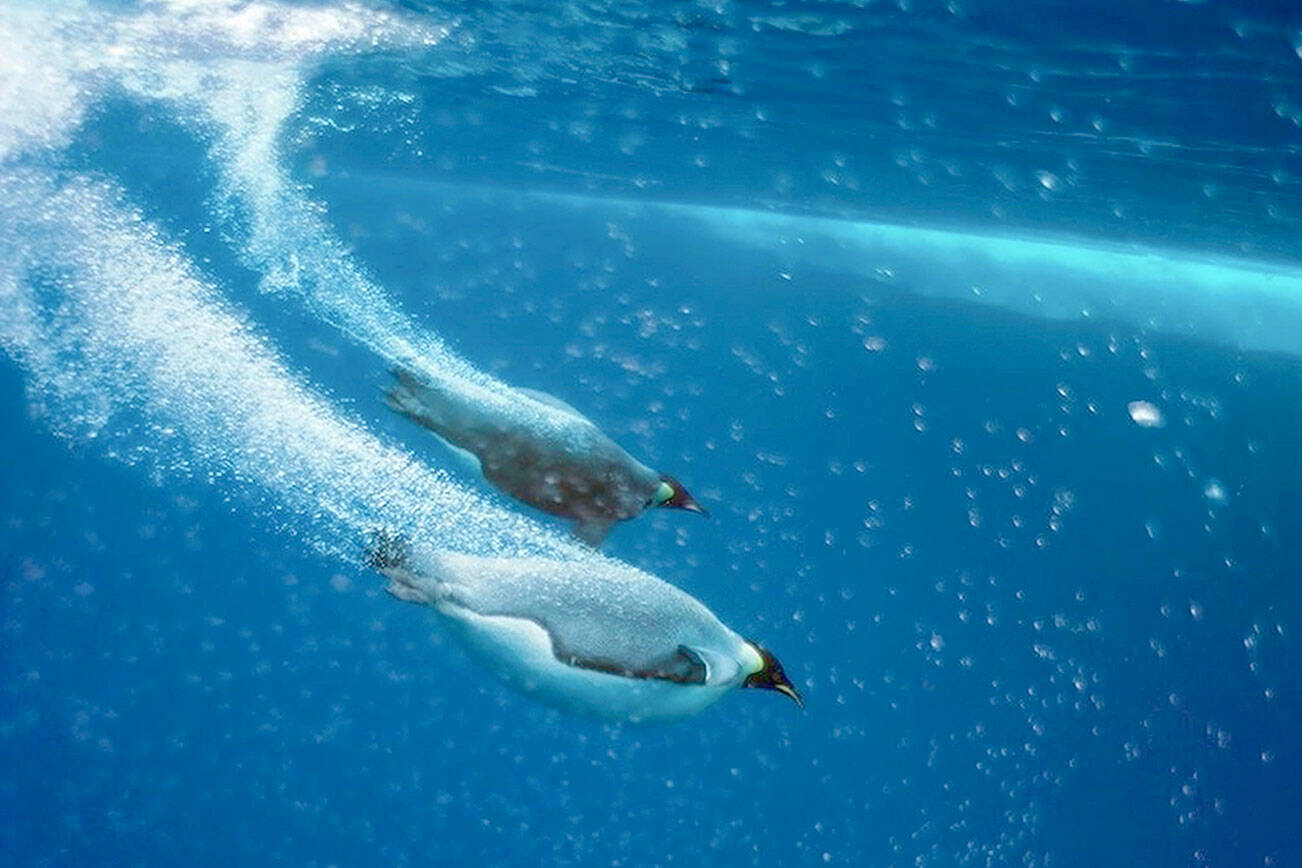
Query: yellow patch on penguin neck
[751, 661]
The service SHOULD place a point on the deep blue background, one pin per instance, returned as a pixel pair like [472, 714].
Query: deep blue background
[1026, 633]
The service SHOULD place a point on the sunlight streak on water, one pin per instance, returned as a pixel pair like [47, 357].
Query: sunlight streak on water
[1252, 305]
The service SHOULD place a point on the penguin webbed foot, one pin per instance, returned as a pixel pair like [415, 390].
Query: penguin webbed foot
[406, 378]
[406, 593]
[389, 553]
[401, 395]
[411, 396]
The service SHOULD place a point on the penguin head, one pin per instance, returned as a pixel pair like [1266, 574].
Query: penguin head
[771, 676]
[670, 492]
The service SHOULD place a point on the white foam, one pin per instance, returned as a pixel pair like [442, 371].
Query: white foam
[60, 58]
[40, 98]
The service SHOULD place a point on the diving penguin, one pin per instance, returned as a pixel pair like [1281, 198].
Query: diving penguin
[540, 450]
[597, 638]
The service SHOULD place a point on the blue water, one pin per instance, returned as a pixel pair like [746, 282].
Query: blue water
[898, 291]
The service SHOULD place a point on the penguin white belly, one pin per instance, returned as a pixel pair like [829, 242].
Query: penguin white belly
[519, 651]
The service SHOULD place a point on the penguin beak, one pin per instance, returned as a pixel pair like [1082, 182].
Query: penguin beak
[678, 497]
[791, 693]
[693, 506]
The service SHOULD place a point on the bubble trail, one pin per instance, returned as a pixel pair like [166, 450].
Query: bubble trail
[233, 73]
[236, 87]
[126, 345]
[287, 238]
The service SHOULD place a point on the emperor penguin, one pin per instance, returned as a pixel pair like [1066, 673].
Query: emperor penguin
[540, 450]
[593, 637]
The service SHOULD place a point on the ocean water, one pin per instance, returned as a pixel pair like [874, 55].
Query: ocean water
[977, 326]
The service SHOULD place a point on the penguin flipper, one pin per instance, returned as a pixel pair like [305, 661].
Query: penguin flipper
[593, 530]
[683, 666]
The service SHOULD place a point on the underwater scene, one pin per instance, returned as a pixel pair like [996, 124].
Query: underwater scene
[651, 432]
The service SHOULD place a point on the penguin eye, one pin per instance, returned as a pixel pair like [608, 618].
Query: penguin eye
[663, 493]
